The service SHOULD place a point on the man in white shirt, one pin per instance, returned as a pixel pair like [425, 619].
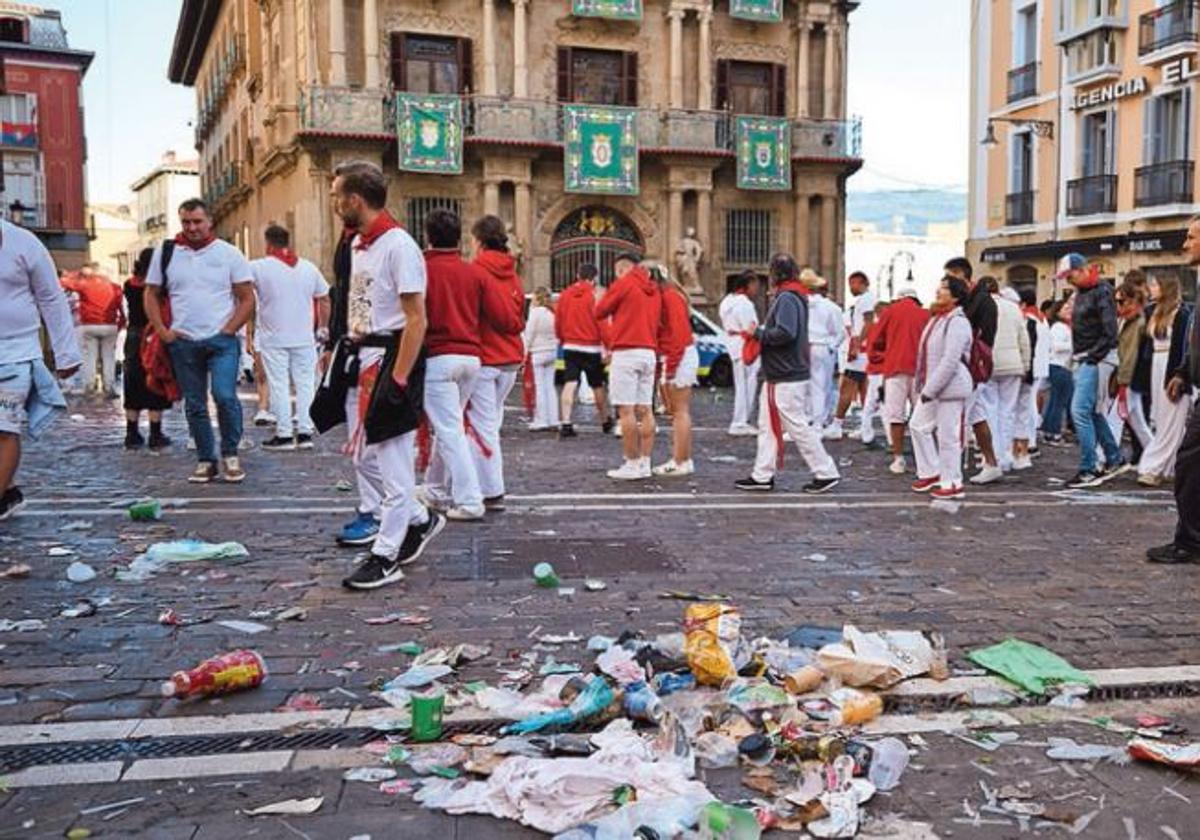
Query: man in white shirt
[386, 325]
[739, 318]
[825, 333]
[859, 317]
[29, 396]
[286, 287]
[208, 283]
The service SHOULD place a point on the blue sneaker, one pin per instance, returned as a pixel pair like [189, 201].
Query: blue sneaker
[361, 531]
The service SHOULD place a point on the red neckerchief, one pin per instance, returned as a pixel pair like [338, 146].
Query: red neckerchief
[1089, 280]
[793, 286]
[382, 224]
[1033, 312]
[180, 239]
[286, 255]
[136, 282]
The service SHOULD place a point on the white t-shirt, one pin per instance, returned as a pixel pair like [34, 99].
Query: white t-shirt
[200, 286]
[863, 305]
[285, 301]
[737, 315]
[825, 322]
[390, 266]
[30, 293]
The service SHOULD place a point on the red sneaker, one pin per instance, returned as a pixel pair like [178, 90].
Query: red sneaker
[955, 492]
[924, 485]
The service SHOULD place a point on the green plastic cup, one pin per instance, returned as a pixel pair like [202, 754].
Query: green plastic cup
[146, 510]
[427, 716]
[544, 574]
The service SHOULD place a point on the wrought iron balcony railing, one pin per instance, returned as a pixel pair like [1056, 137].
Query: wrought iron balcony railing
[1018, 208]
[1092, 194]
[1166, 26]
[1164, 183]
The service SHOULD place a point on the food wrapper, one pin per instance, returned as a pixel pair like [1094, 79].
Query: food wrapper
[1181, 757]
[878, 660]
[713, 642]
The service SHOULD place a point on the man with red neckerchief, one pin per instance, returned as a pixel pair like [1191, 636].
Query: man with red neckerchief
[208, 284]
[786, 372]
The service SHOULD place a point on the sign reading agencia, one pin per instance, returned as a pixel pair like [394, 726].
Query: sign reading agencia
[1177, 72]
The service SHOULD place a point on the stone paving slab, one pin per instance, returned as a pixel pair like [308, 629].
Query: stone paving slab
[148, 769]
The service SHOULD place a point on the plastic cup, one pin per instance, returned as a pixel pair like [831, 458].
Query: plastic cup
[145, 511]
[545, 576]
[427, 716]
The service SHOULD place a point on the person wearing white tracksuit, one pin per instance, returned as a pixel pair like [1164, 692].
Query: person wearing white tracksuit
[739, 318]
[541, 344]
[826, 331]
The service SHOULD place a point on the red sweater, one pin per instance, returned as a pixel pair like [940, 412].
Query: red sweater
[459, 297]
[899, 336]
[575, 316]
[634, 304]
[99, 298]
[501, 344]
[675, 330]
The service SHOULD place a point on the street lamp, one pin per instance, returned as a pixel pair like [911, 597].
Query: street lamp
[1040, 128]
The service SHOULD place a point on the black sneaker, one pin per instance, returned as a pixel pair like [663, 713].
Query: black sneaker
[134, 440]
[751, 484]
[304, 442]
[1085, 479]
[11, 502]
[821, 485]
[279, 444]
[1172, 554]
[373, 573]
[494, 502]
[607, 426]
[566, 430]
[418, 537]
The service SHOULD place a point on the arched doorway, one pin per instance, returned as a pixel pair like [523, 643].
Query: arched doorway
[594, 235]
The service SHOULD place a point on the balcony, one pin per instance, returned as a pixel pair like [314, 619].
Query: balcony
[1173, 26]
[1078, 22]
[1164, 183]
[1023, 82]
[1091, 195]
[1094, 57]
[344, 110]
[1018, 208]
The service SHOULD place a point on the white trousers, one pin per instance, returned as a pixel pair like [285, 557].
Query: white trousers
[1170, 422]
[791, 402]
[449, 381]
[1136, 421]
[288, 367]
[871, 407]
[485, 413]
[745, 386]
[545, 406]
[898, 399]
[1027, 417]
[386, 484]
[98, 343]
[822, 363]
[1004, 419]
[943, 458]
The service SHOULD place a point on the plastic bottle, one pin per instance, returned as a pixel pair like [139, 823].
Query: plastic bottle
[224, 674]
[856, 707]
[146, 510]
[543, 574]
[888, 763]
[719, 821]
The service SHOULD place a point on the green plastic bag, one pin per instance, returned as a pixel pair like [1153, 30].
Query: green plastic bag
[1033, 668]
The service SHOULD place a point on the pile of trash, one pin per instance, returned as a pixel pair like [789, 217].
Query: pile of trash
[613, 752]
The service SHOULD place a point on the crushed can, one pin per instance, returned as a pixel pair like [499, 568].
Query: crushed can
[641, 703]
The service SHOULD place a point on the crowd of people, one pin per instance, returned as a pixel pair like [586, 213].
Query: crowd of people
[416, 352]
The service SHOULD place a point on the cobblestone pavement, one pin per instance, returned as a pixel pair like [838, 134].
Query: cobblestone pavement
[1023, 557]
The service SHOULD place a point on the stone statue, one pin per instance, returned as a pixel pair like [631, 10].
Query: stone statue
[689, 254]
[515, 247]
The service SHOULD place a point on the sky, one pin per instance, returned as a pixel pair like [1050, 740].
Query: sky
[909, 82]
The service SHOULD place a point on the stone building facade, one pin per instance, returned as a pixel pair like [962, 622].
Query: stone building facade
[287, 90]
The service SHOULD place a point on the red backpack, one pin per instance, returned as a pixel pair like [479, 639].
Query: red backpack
[980, 362]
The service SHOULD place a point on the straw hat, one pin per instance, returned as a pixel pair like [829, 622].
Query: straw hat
[812, 280]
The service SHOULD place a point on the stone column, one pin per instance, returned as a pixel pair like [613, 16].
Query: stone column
[491, 197]
[831, 84]
[520, 48]
[337, 43]
[802, 30]
[829, 237]
[371, 43]
[704, 91]
[674, 224]
[800, 222]
[675, 16]
[523, 224]
[489, 48]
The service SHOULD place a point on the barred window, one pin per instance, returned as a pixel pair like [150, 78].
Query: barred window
[419, 208]
[749, 236]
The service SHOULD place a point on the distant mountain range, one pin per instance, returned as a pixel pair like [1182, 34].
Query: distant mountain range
[906, 211]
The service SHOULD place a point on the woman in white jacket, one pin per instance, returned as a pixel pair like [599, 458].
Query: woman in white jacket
[1010, 361]
[944, 383]
[541, 344]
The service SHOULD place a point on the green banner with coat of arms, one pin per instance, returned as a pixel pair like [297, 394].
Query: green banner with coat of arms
[429, 130]
[619, 9]
[600, 150]
[769, 11]
[764, 153]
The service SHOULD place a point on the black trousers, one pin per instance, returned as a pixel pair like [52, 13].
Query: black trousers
[1187, 485]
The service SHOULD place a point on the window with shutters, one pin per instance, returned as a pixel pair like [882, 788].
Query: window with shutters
[417, 209]
[597, 77]
[430, 64]
[749, 237]
[751, 87]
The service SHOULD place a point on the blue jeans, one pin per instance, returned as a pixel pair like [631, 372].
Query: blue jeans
[194, 362]
[1061, 387]
[1090, 424]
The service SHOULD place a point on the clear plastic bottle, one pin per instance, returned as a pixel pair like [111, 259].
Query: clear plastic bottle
[888, 762]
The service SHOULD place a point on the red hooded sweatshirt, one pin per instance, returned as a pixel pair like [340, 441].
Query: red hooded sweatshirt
[899, 336]
[501, 344]
[634, 304]
[575, 316]
[675, 331]
[459, 297]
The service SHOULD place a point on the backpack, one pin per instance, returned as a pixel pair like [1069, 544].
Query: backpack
[156, 361]
[980, 361]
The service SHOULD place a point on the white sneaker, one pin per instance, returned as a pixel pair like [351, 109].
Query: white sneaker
[617, 429]
[1022, 463]
[462, 513]
[629, 471]
[988, 475]
[644, 467]
[671, 469]
[431, 501]
[898, 466]
[264, 418]
[742, 430]
[833, 431]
